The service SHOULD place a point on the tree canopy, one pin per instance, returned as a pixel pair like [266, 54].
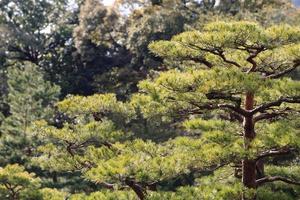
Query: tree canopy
[232, 100]
[149, 100]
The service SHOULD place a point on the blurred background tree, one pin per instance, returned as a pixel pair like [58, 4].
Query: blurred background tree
[29, 98]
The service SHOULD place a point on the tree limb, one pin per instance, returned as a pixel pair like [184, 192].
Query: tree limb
[264, 180]
[231, 107]
[263, 107]
[264, 116]
[284, 72]
[202, 60]
[275, 152]
[217, 52]
[219, 95]
[137, 188]
[221, 55]
[107, 185]
[234, 108]
[251, 60]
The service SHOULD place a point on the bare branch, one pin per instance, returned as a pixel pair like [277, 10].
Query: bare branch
[264, 180]
[275, 152]
[221, 54]
[284, 72]
[234, 108]
[251, 60]
[217, 52]
[107, 185]
[266, 106]
[70, 149]
[137, 188]
[227, 96]
[231, 107]
[202, 60]
[273, 115]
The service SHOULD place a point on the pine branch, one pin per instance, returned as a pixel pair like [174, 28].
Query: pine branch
[221, 55]
[275, 152]
[219, 95]
[217, 52]
[232, 117]
[107, 185]
[202, 61]
[251, 60]
[272, 115]
[264, 180]
[284, 72]
[278, 102]
[137, 188]
[267, 116]
[235, 108]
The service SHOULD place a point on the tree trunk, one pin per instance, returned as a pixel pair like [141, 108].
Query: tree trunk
[248, 165]
[138, 190]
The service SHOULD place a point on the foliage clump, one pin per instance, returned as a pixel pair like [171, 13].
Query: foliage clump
[234, 106]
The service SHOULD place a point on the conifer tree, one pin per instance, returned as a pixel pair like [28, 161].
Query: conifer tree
[29, 98]
[245, 78]
[237, 109]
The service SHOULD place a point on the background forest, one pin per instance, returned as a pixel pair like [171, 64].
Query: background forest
[149, 99]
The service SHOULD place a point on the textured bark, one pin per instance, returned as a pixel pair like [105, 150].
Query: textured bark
[249, 165]
[139, 190]
[249, 173]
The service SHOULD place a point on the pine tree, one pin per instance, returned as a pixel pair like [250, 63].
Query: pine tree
[236, 109]
[29, 97]
[245, 72]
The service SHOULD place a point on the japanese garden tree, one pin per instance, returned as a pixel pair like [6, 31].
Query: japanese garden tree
[244, 83]
[188, 131]
[233, 102]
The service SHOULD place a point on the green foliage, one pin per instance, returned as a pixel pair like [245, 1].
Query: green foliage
[41, 32]
[105, 195]
[206, 101]
[98, 103]
[16, 183]
[280, 133]
[183, 135]
[29, 97]
[149, 25]
[93, 36]
[52, 194]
